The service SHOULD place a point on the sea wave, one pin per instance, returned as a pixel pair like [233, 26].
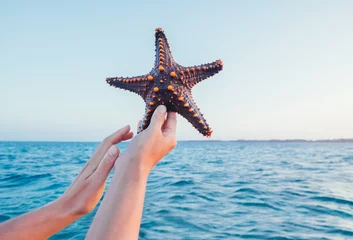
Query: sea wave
[203, 190]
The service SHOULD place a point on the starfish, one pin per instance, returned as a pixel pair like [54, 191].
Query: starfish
[170, 84]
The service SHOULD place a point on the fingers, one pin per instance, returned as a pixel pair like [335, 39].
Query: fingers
[158, 117]
[169, 127]
[128, 136]
[120, 135]
[107, 162]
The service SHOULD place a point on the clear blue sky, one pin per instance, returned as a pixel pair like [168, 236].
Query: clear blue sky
[288, 66]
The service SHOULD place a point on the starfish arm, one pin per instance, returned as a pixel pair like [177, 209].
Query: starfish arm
[149, 109]
[196, 74]
[187, 108]
[136, 85]
[164, 55]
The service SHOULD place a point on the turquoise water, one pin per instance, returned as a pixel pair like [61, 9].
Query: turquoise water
[204, 190]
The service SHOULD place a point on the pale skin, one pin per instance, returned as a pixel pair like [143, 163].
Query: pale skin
[120, 212]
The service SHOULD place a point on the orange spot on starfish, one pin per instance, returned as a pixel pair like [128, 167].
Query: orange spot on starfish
[170, 87]
[156, 89]
[172, 74]
[150, 78]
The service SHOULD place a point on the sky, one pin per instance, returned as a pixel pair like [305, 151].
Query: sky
[288, 66]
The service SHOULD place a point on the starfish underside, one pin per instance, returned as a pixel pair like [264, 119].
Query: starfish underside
[170, 84]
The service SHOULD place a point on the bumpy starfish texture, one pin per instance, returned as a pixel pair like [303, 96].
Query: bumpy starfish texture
[170, 84]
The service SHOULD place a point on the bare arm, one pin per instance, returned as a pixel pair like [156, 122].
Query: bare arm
[120, 213]
[38, 224]
[80, 198]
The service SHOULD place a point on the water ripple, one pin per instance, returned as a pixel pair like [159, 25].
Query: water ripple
[335, 200]
[203, 190]
[21, 179]
[317, 209]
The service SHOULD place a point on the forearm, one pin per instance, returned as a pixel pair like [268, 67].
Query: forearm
[120, 213]
[38, 224]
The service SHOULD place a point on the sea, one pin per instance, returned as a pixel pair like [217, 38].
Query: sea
[203, 190]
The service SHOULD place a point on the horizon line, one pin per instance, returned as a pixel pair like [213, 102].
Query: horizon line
[205, 140]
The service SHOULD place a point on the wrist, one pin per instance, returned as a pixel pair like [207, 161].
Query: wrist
[131, 165]
[65, 209]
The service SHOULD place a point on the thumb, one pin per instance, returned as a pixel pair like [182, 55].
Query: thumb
[107, 162]
[158, 117]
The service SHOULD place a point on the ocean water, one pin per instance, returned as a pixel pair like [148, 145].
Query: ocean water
[203, 190]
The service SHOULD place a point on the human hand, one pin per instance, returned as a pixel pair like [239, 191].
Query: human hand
[151, 145]
[87, 189]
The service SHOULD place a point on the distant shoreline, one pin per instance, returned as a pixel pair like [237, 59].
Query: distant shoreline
[348, 140]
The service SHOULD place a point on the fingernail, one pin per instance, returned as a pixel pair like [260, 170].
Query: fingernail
[112, 151]
[162, 109]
